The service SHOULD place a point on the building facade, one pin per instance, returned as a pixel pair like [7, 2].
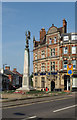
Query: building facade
[14, 78]
[68, 55]
[50, 57]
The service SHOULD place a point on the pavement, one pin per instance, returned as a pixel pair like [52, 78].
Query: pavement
[13, 97]
[53, 108]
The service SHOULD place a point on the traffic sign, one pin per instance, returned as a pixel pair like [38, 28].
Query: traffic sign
[69, 69]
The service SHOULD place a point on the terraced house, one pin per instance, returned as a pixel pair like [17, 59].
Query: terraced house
[52, 53]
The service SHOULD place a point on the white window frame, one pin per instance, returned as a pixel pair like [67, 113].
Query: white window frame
[50, 41]
[73, 37]
[35, 56]
[35, 68]
[64, 50]
[53, 52]
[65, 64]
[73, 50]
[42, 54]
[54, 39]
[42, 67]
[65, 38]
[74, 64]
[53, 66]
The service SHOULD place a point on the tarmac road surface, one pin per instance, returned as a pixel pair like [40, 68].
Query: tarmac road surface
[53, 109]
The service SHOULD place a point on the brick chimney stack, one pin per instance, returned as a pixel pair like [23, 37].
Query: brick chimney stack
[7, 67]
[42, 34]
[64, 26]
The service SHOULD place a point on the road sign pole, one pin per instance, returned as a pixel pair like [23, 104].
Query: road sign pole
[70, 73]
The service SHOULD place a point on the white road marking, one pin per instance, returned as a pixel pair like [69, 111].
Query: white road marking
[65, 108]
[31, 117]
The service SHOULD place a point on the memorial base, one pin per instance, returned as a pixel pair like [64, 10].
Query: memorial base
[23, 89]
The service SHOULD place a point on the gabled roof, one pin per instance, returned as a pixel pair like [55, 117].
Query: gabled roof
[8, 72]
[18, 73]
[52, 29]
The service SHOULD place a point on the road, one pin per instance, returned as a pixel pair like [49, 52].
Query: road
[57, 108]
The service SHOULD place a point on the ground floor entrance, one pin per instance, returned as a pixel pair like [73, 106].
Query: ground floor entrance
[52, 85]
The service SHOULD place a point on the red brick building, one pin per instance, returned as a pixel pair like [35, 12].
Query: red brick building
[14, 77]
[49, 58]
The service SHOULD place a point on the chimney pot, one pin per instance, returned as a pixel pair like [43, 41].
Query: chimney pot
[52, 24]
[14, 69]
[7, 67]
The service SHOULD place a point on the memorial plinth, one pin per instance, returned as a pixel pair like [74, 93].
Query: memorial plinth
[26, 71]
[25, 80]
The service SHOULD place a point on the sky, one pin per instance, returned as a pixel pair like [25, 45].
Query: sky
[19, 17]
